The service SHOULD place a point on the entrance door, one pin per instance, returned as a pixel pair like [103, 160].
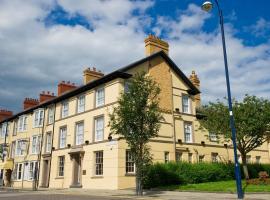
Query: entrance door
[45, 173]
[76, 170]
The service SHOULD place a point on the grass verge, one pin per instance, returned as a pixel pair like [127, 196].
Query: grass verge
[221, 186]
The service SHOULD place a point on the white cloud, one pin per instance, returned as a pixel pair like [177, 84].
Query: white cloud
[34, 57]
[260, 29]
[248, 65]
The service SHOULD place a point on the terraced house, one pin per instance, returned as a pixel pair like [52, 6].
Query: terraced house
[63, 140]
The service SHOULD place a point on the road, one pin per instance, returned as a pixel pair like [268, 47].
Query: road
[83, 194]
[26, 196]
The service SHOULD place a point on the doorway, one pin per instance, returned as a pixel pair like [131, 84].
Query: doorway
[76, 179]
[45, 173]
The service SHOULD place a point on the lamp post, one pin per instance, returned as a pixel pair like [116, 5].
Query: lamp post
[207, 6]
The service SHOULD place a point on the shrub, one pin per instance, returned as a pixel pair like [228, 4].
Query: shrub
[172, 173]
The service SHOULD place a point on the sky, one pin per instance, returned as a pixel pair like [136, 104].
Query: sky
[43, 42]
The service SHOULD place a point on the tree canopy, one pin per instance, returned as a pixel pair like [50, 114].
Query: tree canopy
[252, 122]
[137, 118]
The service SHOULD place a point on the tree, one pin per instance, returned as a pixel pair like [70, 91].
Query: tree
[252, 122]
[137, 118]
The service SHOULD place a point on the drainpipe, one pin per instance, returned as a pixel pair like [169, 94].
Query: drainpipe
[37, 168]
[49, 175]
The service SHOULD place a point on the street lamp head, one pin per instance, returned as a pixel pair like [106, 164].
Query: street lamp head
[207, 6]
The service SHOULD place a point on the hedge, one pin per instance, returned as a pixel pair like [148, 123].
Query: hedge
[172, 173]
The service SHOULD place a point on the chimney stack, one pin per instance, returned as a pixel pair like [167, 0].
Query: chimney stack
[196, 82]
[90, 75]
[29, 103]
[154, 44]
[45, 96]
[4, 114]
[65, 87]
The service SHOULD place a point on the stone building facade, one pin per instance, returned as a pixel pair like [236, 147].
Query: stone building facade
[62, 140]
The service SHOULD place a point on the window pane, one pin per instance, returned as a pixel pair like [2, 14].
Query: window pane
[99, 163]
[51, 115]
[63, 134]
[79, 133]
[166, 157]
[185, 104]
[81, 104]
[188, 132]
[100, 97]
[130, 164]
[99, 128]
[64, 109]
[61, 164]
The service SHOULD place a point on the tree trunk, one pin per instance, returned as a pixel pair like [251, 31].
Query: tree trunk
[139, 190]
[137, 184]
[245, 168]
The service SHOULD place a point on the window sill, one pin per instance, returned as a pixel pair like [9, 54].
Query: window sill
[37, 126]
[59, 177]
[130, 174]
[97, 177]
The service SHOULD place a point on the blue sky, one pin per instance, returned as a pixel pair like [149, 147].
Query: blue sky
[46, 41]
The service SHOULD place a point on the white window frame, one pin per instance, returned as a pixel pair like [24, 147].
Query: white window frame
[48, 142]
[18, 166]
[35, 144]
[188, 130]
[81, 103]
[79, 133]
[213, 137]
[65, 109]
[166, 156]
[99, 158]
[38, 118]
[15, 128]
[22, 123]
[4, 130]
[31, 169]
[130, 164]
[99, 130]
[13, 149]
[50, 115]
[186, 108]
[62, 137]
[20, 151]
[61, 166]
[100, 97]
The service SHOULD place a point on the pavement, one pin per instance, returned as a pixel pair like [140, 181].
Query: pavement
[83, 194]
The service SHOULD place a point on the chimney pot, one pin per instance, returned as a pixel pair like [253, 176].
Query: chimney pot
[4, 114]
[29, 103]
[154, 44]
[45, 96]
[64, 87]
[91, 75]
[196, 82]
